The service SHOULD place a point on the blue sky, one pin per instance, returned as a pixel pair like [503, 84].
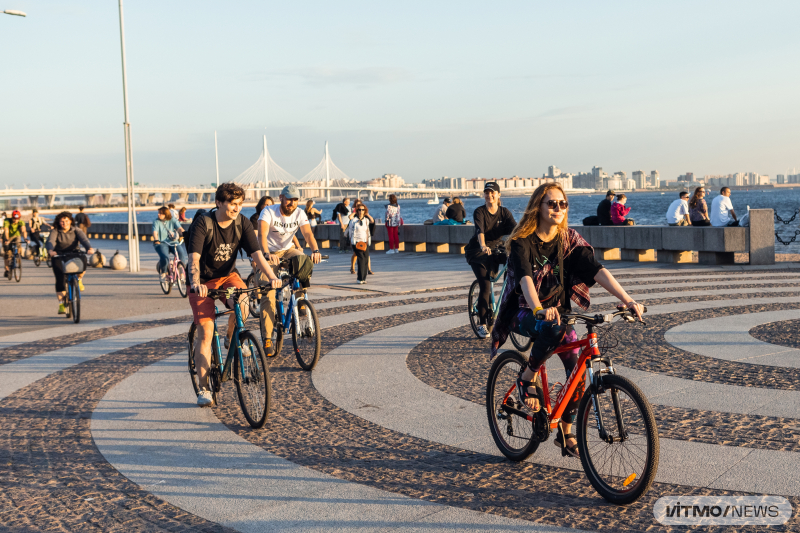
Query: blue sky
[421, 89]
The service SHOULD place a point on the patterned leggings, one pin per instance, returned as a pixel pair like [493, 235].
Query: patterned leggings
[550, 337]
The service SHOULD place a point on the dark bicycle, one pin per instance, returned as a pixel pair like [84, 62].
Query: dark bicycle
[245, 362]
[297, 316]
[72, 265]
[15, 267]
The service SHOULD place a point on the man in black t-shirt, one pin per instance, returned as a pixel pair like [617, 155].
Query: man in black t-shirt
[604, 210]
[341, 215]
[215, 242]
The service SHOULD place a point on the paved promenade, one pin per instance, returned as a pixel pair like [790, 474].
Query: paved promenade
[99, 431]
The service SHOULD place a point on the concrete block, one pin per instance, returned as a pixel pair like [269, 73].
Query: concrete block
[671, 256]
[379, 245]
[724, 240]
[380, 233]
[324, 244]
[715, 258]
[584, 231]
[680, 238]
[643, 238]
[607, 254]
[608, 236]
[414, 233]
[461, 234]
[437, 248]
[457, 248]
[638, 255]
[762, 237]
[437, 234]
[413, 246]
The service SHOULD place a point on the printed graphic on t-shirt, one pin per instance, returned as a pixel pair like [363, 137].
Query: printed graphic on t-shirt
[223, 253]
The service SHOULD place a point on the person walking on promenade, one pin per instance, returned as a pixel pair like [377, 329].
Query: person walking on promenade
[456, 211]
[341, 214]
[698, 208]
[64, 239]
[82, 220]
[167, 228]
[492, 222]
[604, 210]
[722, 213]
[441, 211]
[173, 211]
[182, 215]
[678, 211]
[393, 222]
[360, 239]
[356, 205]
[549, 266]
[619, 212]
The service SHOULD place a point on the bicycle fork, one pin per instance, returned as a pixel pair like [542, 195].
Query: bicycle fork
[594, 383]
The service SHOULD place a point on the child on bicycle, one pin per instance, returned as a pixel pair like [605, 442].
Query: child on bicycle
[549, 265]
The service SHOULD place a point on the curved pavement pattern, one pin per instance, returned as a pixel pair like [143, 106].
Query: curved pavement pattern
[365, 444]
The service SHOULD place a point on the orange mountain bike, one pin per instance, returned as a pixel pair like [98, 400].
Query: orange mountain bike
[616, 430]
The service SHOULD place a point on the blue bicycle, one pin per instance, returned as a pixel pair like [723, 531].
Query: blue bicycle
[296, 315]
[520, 342]
[72, 265]
[245, 362]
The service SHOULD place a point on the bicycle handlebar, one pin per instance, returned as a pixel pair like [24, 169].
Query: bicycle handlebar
[598, 319]
[228, 293]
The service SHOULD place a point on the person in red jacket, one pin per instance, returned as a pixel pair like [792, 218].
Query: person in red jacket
[619, 211]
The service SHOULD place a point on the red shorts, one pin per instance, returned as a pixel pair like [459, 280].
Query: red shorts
[204, 309]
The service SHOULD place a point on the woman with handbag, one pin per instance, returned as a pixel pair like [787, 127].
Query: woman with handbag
[357, 203]
[360, 238]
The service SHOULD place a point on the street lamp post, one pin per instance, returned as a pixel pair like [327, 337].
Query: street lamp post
[133, 228]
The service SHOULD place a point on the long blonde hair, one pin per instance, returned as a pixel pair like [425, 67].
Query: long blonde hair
[530, 219]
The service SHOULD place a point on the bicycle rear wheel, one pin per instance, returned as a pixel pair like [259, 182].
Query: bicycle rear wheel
[75, 303]
[513, 434]
[18, 268]
[308, 341]
[472, 306]
[194, 338]
[37, 258]
[251, 375]
[166, 284]
[622, 466]
[181, 282]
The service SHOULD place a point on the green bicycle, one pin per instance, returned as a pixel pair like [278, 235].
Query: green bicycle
[245, 362]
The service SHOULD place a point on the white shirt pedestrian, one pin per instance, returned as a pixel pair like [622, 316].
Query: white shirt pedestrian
[677, 211]
[721, 208]
[281, 227]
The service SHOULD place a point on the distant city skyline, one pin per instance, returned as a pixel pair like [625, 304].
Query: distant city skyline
[416, 89]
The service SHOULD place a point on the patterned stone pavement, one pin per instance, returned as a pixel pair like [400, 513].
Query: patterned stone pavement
[53, 476]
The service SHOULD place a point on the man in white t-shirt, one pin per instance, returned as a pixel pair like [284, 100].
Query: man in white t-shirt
[277, 225]
[678, 212]
[722, 213]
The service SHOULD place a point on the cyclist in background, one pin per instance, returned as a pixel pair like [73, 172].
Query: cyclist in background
[167, 228]
[277, 227]
[549, 265]
[64, 239]
[492, 221]
[13, 233]
[214, 241]
[36, 224]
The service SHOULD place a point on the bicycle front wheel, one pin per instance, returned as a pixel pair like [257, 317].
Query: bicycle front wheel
[194, 338]
[37, 258]
[181, 282]
[75, 303]
[622, 466]
[166, 284]
[251, 375]
[308, 341]
[18, 268]
[520, 342]
[513, 434]
[472, 306]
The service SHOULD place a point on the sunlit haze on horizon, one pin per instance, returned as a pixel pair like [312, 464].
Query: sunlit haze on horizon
[419, 89]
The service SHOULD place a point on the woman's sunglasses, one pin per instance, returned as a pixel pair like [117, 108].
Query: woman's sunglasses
[360, 210]
[552, 204]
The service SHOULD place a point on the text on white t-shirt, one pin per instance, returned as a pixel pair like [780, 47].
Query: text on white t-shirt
[281, 228]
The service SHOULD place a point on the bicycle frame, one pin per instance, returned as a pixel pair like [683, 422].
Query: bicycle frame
[233, 349]
[589, 354]
[285, 316]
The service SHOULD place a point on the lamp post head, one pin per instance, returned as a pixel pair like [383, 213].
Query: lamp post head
[15, 12]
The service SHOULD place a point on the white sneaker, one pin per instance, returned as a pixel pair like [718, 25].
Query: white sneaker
[482, 331]
[390, 251]
[362, 282]
[204, 398]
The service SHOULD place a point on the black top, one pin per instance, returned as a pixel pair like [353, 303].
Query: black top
[340, 208]
[254, 220]
[82, 218]
[493, 228]
[456, 212]
[604, 213]
[529, 253]
[218, 259]
[67, 241]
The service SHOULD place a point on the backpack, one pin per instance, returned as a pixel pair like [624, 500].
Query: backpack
[203, 214]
